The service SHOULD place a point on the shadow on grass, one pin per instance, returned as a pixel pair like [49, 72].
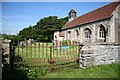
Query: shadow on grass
[9, 70]
[13, 74]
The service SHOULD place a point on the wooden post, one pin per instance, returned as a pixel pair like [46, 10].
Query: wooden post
[46, 49]
[22, 47]
[39, 50]
[35, 50]
[31, 51]
[43, 49]
[12, 48]
[18, 47]
[51, 61]
[50, 53]
[26, 49]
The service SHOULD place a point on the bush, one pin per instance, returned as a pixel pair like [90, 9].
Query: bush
[66, 42]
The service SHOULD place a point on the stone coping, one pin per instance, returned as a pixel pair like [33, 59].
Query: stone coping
[6, 41]
[104, 43]
[88, 51]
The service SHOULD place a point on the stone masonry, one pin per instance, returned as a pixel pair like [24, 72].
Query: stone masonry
[99, 54]
[6, 53]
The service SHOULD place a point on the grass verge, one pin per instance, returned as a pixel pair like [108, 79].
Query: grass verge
[101, 71]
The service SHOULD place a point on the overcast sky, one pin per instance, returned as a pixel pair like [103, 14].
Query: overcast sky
[18, 15]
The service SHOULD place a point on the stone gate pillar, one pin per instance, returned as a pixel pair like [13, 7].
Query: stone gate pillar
[6, 54]
[80, 47]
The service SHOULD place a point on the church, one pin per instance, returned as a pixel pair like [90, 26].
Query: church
[98, 26]
[99, 33]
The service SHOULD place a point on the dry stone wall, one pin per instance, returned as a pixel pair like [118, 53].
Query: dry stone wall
[99, 54]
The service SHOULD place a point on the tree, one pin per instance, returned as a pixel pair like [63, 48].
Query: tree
[44, 29]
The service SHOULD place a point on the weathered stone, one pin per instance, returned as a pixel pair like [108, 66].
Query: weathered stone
[6, 53]
[101, 54]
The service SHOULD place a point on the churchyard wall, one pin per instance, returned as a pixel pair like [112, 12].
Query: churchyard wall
[99, 54]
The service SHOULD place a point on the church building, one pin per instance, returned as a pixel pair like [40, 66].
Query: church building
[98, 26]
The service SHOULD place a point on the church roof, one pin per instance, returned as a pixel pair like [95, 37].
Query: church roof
[98, 14]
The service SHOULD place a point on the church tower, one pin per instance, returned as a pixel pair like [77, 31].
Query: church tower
[72, 14]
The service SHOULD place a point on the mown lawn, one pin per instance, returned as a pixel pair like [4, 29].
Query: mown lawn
[102, 71]
[41, 52]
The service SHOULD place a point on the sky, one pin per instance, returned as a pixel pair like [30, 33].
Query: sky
[19, 15]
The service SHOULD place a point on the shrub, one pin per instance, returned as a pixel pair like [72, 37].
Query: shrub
[66, 42]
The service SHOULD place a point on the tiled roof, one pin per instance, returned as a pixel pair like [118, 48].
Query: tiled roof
[98, 14]
[61, 34]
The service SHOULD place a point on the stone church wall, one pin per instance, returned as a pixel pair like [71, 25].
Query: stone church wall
[99, 54]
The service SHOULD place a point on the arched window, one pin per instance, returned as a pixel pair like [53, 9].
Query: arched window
[76, 33]
[102, 31]
[68, 34]
[87, 32]
[55, 37]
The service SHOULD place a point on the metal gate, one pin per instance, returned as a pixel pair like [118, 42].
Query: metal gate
[38, 54]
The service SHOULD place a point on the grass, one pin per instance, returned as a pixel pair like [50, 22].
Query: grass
[1, 37]
[70, 71]
[42, 53]
[101, 71]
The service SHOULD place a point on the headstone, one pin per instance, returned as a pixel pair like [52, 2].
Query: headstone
[32, 41]
[54, 42]
[29, 42]
[22, 44]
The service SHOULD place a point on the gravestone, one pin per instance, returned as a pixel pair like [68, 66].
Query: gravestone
[29, 42]
[32, 41]
[22, 44]
[54, 42]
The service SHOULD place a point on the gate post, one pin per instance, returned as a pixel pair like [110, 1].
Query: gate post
[79, 52]
[51, 61]
[50, 52]
[6, 56]
[12, 48]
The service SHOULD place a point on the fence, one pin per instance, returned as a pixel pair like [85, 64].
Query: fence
[46, 54]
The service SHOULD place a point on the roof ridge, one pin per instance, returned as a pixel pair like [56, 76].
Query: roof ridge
[93, 15]
[98, 8]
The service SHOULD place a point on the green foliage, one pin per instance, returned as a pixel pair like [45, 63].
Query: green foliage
[28, 32]
[66, 42]
[32, 72]
[100, 71]
[44, 29]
